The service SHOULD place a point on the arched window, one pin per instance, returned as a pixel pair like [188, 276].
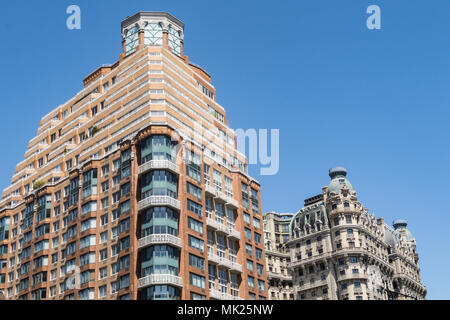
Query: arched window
[131, 40]
[174, 41]
[153, 34]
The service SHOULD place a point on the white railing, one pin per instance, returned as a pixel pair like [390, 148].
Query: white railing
[159, 201]
[158, 164]
[216, 294]
[232, 232]
[224, 262]
[160, 279]
[159, 239]
[209, 189]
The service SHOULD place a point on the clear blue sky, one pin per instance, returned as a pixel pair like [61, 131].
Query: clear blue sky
[376, 102]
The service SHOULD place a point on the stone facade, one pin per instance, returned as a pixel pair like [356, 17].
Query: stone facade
[338, 250]
[276, 234]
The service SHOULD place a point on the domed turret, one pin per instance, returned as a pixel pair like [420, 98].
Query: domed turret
[338, 180]
[400, 228]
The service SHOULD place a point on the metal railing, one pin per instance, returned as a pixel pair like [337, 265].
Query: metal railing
[160, 279]
[159, 201]
[159, 239]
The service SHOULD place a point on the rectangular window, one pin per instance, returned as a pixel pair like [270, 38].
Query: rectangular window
[195, 225]
[193, 190]
[197, 281]
[196, 243]
[196, 262]
[248, 233]
[194, 207]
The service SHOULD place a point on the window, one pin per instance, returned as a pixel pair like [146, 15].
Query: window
[349, 231]
[87, 241]
[257, 238]
[104, 237]
[250, 265]
[341, 261]
[105, 203]
[195, 225]
[249, 249]
[261, 285]
[104, 220]
[248, 233]
[131, 40]
[197, 281]
[353, 259]
[105, 186]
[69, 164]
[196, 243]
[194, 207]
[89, 207]
[103, 254]
[196, 262]
[260, 269]
[174, 40]
[88, 224]
[348, 218]
[258, 254]
[125, 189]
[336, 221]
[193, 190]
[247, 218]
[256, 223]
[251, 282]
[102, 291]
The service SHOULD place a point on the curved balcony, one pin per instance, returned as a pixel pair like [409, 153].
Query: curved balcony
[216, 294]
[153, 201]
[158, 164]
[155, 279]
[159, 239]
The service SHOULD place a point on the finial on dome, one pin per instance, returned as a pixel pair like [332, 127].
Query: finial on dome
[399, 223]
[337, 171]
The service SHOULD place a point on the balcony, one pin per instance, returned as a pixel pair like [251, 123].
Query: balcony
[159, 239]
[159, 201]
[155, 279]
[212, 257]
[220, 227]
[272, 275]
[216, 294]
[210, 190]
[158, 164]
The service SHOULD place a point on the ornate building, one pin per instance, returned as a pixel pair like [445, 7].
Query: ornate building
[276, 234]
[339, 250]
[134, 188]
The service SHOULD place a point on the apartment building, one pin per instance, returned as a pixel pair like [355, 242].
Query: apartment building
[276, 234]
[134, 188]
[340, 251]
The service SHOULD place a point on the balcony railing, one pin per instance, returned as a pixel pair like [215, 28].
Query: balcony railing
[210, 190]
[158, 164]
[155, 279]
[216, 294]
[159, 201]
[224, 262]
[220, 227]
[159, 239]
